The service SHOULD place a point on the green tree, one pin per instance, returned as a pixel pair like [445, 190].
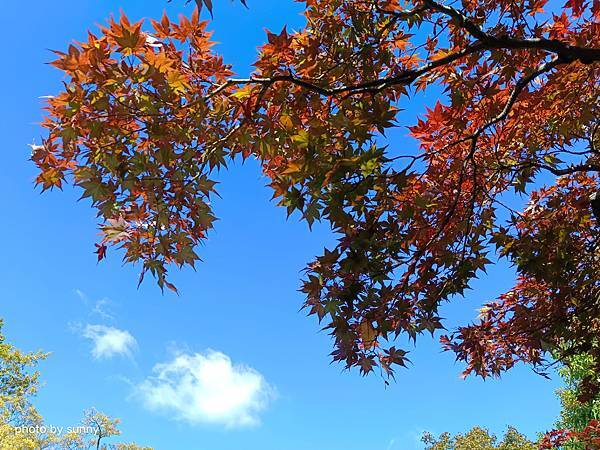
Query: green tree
[479, 439]
[22, 427]
[96, 428]
[18, 383]
[580, 407]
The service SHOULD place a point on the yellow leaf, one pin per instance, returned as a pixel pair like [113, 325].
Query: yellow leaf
[242, 93]
[177, 81]
[293, 168]
[367, 334]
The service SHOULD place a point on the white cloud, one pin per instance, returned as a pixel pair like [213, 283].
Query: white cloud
[206, 388]
[109, 341]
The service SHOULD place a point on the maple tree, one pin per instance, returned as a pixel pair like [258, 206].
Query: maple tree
[148, 115]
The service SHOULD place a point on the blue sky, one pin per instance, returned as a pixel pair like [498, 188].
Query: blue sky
[234, 341]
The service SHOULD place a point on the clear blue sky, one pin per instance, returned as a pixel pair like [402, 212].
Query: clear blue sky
[242, 301]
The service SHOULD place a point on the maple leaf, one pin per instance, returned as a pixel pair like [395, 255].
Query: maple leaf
[100, 251]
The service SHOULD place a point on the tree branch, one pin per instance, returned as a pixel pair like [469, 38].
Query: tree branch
[564, 51]
[405, 78]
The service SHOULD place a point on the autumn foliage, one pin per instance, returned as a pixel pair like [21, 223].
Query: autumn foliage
[589, 438]
[149, 111]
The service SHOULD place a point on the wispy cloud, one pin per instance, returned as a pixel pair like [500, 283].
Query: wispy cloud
[206, 388]
[79, 293]
[109, 341]
[101, 308]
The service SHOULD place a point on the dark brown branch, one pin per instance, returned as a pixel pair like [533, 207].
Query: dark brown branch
[404, 78]
[565, 52]
[568, 170]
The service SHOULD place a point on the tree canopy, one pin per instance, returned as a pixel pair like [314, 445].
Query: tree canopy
[479, 439]
[149, 113]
